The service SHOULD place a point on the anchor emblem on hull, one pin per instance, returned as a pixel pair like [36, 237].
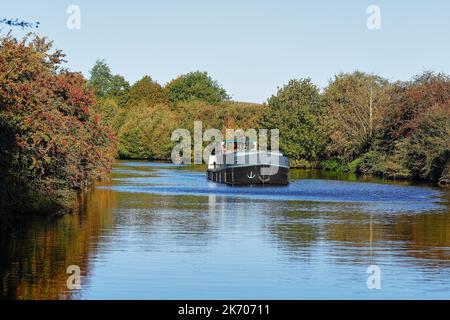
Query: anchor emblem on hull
[251, 175]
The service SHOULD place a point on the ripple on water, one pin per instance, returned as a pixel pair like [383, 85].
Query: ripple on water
[168, 179]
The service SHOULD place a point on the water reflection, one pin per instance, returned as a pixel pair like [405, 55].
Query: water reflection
[366, 234]
[158, 231]
[34, 257]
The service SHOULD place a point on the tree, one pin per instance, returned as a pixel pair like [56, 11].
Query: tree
[195, 85]
[146, 132]
[410, 100]
[53, 142]
[107, 85]
[119, 89]
[445, 178]
[427, 151]
[109, 110]
[146, 90]
[355, 105]
[294, 111]
[101, 78]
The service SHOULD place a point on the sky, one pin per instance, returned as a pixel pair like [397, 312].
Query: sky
[250, 47]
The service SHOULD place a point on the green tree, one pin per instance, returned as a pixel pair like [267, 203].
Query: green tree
[101, 78]
[294, 110]
[109, 109]
[146, 90]
[146, 132]
[107, 85]
[195, 85]
[119, 90]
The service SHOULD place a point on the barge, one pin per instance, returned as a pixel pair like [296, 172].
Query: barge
[248, 167]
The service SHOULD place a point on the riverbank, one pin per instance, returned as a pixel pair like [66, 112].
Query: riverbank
[335, 168]
[393, 173]
[60, 131]
[359, 123]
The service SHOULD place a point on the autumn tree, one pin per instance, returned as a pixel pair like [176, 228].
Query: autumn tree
[355, 104]
[416, 126]
[146, 90]
[427, 151]
[52, 141]
[410, 100]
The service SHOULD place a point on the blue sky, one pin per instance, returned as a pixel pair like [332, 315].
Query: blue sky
[250, 47]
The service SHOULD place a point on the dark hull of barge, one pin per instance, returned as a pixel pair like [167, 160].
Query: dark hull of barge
[248, 175]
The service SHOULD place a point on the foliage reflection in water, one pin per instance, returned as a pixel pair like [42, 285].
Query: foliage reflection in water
[159, 231]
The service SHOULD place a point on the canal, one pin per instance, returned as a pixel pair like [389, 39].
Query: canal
[161, 231]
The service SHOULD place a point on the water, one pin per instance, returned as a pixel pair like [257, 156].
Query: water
[160, 231]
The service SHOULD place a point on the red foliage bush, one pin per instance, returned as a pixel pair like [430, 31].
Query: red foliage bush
[52, 140]
[412, 100]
